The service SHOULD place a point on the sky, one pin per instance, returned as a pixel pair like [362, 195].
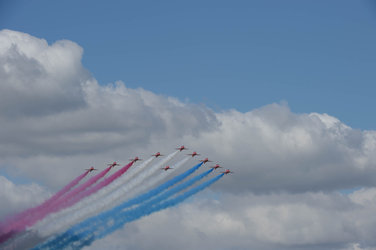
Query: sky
[317, 56]
[280, 92]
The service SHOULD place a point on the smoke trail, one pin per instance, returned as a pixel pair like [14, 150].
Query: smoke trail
[95, 188]
[83, 187]
[154, 201]
[61, 217]
[67, 197]
[157, 190]
[8, 227]
[104, 191]
[137, 200]
[32, 218]
[177, 189]
[23, 240]
[50, 221]
[144, 181]
[156, 179]
[67, 187]
[98, 204]
[45, 203]
[134, 214]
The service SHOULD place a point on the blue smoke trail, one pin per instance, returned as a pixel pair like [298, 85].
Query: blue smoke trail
[143, 210]
[103, 222]
[137, 200]
[151, 202]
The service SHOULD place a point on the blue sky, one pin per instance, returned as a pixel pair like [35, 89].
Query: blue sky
[319, 56]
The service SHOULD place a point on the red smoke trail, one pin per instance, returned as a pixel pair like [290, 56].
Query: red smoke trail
[31, 219]
[81, 188]
[58, 204]
[76, 195]
[79, 193]
[66, 188]
[98, 186]
[7, 227]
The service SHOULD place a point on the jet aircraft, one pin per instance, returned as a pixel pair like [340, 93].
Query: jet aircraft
[113, 164]
[181, 148]
[205, 160]
[216, 166]
[166, 168]
[157, 154]
[227, 171]
[193, 154]
[135, 159]
[91, 169]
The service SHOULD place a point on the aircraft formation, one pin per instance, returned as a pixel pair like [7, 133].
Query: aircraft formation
[86, 205]
[158, 154]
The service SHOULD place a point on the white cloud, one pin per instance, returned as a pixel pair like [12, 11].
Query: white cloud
[275, 149]
[57, 120]
[16, 197]
[364, 196]
[275, 221]
[37, 79]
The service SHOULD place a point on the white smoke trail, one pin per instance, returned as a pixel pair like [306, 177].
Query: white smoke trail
[111, 220]
[160, 177]
[147, 181]
[104, 191]
[98, 195]
[155, 179]
[25, 240]
[97, 205]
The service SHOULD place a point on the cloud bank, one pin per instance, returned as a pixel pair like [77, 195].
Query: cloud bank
[56, 120]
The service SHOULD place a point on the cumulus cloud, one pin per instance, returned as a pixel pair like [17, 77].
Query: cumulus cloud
[274, 221]
[276, 149]
[15, 197]
[56, 120]
[54, 112]
[38, 79]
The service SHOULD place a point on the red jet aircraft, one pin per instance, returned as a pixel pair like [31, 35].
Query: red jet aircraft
[205, 160]
[113, 164]
[91, 169]
[135, 159]
[181, 148]
[216, 166]
[193, 154]
[157, 154]
[166, 168]
[227, 171]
